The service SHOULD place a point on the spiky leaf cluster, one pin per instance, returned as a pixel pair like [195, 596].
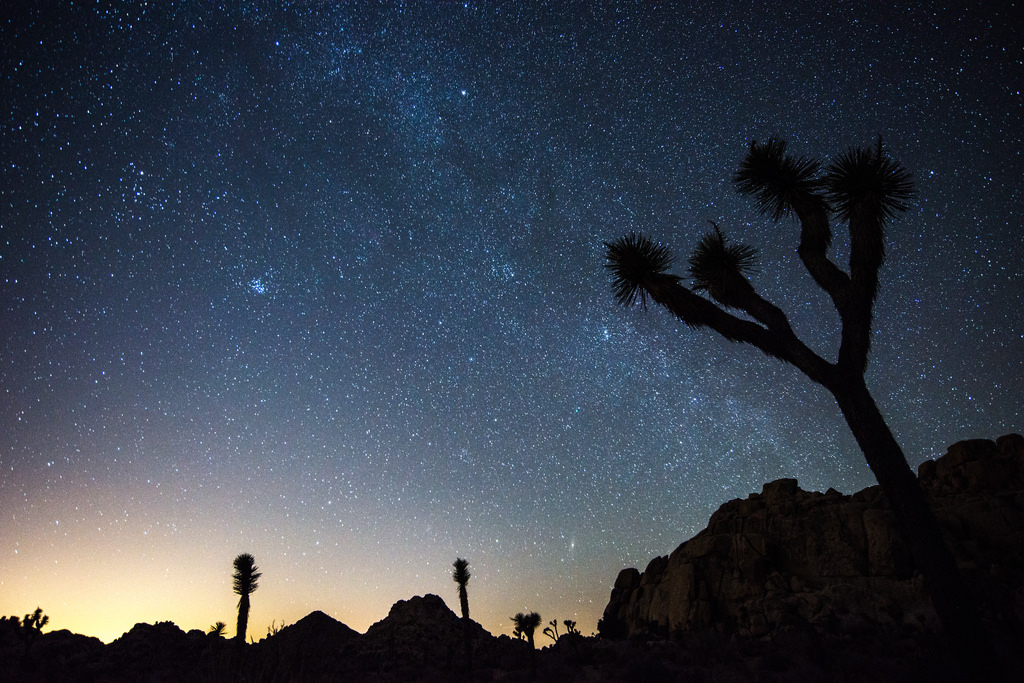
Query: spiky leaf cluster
[247, 574]
[867, 181]
[777, 181]
[460, 571]
[720, 268]
[633, 261]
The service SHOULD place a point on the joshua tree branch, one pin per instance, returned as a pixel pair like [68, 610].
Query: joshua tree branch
[867, 251]
[778, 341]
[815, 237]
[765, 312]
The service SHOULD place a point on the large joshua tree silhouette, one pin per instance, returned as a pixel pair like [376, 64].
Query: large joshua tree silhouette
[246, 581]
[866, 189]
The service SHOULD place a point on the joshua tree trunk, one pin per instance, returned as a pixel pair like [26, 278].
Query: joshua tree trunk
[467, 644]
[917, 525]
[243, 618]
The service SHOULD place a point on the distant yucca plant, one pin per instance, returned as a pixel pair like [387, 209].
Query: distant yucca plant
[35, 621]
[460, 575]
[245, 582]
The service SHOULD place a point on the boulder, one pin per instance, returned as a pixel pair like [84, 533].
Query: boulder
[788, 559]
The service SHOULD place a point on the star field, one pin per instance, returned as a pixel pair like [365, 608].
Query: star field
[324, 282]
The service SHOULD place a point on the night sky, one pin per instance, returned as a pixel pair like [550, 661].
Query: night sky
[325, 283]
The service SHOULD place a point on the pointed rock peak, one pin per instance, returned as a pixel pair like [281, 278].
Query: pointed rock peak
[317, 625]
[317, 618]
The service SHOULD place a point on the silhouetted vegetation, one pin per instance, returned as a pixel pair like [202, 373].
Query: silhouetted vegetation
[246, 581]
[525, 625]
[460, 575]
[35, 621]
[274, 629]
[27, 629]
[517, 623]
[551, 630]
[866, 189]
[217, 629]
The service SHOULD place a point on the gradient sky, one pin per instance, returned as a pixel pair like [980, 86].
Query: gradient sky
[324, 283]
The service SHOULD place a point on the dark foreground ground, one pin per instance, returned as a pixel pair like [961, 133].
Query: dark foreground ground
[319, 648]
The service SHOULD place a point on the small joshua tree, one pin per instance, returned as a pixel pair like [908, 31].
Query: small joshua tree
[246, 581]
[517, 622]
[529, 624]
[35, 621]
[460, 575]
[551, 630]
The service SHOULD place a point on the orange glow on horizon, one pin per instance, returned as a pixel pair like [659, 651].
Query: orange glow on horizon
[102, 581]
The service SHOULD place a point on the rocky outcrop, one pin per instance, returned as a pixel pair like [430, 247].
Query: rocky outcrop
[27, 655]
[423, 634]
[421, 639]
[788, 558]
[308, 650]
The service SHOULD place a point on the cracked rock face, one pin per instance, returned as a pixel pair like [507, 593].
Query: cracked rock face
[789, 558]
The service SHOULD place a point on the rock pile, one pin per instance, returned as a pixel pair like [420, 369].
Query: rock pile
[788, 558]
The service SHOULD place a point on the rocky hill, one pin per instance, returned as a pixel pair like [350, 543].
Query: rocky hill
[835, 562]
